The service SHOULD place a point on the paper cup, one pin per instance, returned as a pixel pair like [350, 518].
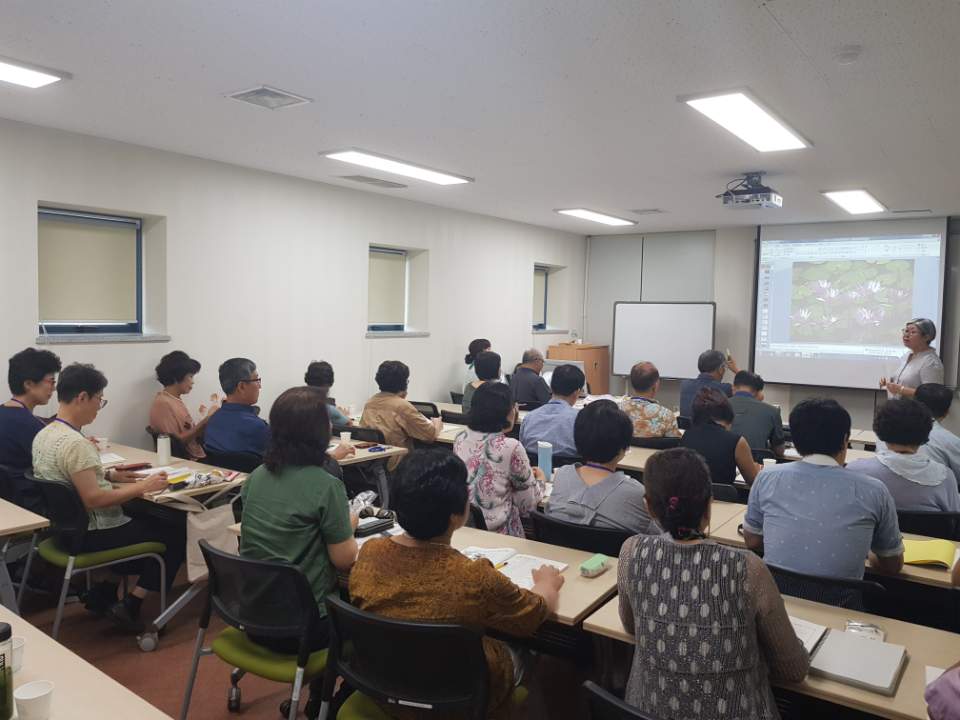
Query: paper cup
[769, 462]
[345, 438]
[17, 653]
[33, 700]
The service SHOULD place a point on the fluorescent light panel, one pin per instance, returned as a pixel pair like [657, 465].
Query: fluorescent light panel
[16, 73]
[585, 214]
[855, 202]
[745, 118]
[397, 167]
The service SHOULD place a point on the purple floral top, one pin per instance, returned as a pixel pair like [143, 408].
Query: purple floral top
[501, 480]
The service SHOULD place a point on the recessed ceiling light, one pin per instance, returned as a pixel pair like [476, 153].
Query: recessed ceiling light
[748, 120]
[397, 167]
[585, 214]
[855, 202]
[270, 98]
[31, 76]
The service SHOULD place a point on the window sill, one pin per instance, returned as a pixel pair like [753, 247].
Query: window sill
[398, 334]
[94, 339]
[551, 331]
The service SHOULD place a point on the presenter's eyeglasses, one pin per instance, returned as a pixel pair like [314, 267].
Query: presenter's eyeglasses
[257, 380]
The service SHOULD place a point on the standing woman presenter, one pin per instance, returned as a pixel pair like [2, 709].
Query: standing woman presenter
[920, 365]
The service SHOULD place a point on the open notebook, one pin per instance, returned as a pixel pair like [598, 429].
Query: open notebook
[942, 553]
[516, 566]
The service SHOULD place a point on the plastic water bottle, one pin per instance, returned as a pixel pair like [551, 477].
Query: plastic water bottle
[545, 459]
[163, 450]
[6, 672]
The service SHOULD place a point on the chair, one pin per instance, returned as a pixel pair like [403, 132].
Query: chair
[177, 448]
[263, 599]
[761, 454]
[244, 462]
[69, 520]
[579, 537]
[427, 409]
[438, 667]
[839, 592]
[683, 422]
[453, 418]
[933, 523]
[456, 398]
[363, 434]
[475, 519]
[655, 443]
[726, 493]
[607, 706]
[558, 460]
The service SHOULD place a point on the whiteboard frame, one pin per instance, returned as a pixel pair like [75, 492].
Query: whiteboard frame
[613, 343]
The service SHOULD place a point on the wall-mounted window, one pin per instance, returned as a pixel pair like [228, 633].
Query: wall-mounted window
[541, 287]
[387, 289]
[90, 273]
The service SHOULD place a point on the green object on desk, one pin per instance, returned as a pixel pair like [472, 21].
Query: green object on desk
[596, 565]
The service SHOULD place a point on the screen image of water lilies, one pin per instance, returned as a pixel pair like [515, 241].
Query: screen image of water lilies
[852, 301]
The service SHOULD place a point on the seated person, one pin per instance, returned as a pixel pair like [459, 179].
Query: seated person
[487, 367]
[710, 435]
[712, 365]
[595, 492]
[526, 384]
[320, 375]
[943, 694]
[473, 350]
[943, 446]
[169, 414]
[915, 481]
[417, 575]
[650, 418]
[501, 480]
[817, 517]
[61, 452]
[553, 422]
[32, 376]
[236, 427]
[673, 588]
[391, 413]
[758, 422]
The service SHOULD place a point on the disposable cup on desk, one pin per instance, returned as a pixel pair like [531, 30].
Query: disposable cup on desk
[34, 700]
[769, 462]
[345, 438]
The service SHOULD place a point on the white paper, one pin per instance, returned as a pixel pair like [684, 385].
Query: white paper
[808, 633]
[519, 568]
[494, 555]
[110, 459]
[933, 673]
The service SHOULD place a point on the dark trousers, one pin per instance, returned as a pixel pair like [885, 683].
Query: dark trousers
[143, 529]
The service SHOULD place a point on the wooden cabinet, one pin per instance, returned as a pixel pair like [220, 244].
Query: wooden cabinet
[595, 359]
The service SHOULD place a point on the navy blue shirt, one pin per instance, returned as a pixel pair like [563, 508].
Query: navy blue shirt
[690, 388]
[18, 427]
[237, 428]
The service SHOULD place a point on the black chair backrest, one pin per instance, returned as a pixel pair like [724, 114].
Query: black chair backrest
[262, 598]
[240, 461]
[655, 443]
[684, 423]
[476, 519]
[454, 418]
[558, 460]
[936, 524]
[726, 492]
[363, 434]
[8, 490]
[840, 592]
[579, 537]
[437, 666]
[606, 706]
[177, 448]
[456, 398]
[427, 409]
[66, 511]
[759, 455]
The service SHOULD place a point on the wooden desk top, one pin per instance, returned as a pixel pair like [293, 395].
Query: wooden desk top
[364, 455]
[925, 646]
[15, 520]
[80, 691]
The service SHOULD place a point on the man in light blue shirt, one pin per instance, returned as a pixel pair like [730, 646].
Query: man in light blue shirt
[815, 516]
[943, 446]
[553, 422]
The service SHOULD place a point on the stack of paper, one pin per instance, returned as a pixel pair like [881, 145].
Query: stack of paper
[869, 664]
[929, 552]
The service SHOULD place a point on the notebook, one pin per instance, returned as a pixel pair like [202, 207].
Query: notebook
[516, 566]
[868, 664]
[929, 552]
[807, 632]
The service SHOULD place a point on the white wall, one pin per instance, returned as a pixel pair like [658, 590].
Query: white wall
[272, 268]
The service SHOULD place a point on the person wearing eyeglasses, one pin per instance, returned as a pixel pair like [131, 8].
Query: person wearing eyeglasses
[236, 427]
[920, 365]
[61, 452]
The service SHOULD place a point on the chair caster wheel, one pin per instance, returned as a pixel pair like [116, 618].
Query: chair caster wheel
[285, 708]
[148, 641]
[233, 699]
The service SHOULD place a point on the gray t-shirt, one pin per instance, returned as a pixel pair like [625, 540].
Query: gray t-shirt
[615, 502]
[924, 367]
[932, 489]
[756, 421]
[944, 447]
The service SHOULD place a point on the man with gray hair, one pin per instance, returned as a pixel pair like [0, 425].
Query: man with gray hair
[712, 365]
[526, 384]
[236, 427]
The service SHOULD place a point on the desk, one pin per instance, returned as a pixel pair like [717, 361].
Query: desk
[863, 437]
[925, 646]
[81, 692]
[15, 520]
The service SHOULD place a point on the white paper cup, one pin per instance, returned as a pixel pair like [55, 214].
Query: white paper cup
[345, 438]
[17, 653]
[33, 700]
[769, 462]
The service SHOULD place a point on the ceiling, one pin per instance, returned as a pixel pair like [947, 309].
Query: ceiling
[547, 103]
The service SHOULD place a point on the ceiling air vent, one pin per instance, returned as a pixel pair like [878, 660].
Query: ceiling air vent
[647, 211]
[376, 182]
[270, 98]
[905, 212]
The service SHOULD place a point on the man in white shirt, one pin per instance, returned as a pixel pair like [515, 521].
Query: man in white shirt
[943, 446]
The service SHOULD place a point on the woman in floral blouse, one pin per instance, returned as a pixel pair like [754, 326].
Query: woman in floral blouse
[501, 480]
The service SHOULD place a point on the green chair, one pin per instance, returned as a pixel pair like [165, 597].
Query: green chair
[69, 520]
[434, 667]
[264, 599]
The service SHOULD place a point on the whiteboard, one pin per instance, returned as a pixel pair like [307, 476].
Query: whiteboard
[670, 335]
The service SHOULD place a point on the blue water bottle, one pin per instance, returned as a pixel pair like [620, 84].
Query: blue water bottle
[545, 459]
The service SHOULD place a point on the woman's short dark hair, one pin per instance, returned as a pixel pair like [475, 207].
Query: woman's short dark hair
[175, 366]
[819, 426]
[936, 397]
[79, 378]
[299, 429]
[678, 490]
[429, 487]
[393, 376]
[319, 374]
[566, 380]
[490, 407]
[903, 422]
[30, 364]
[711, 405]
[601, 431]
[927, 328]
[475, 348]
[487, 366]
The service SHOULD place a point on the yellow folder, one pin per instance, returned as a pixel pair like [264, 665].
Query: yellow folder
[929, 552]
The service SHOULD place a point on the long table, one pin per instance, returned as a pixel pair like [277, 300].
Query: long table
[925, 646]
[14, 520]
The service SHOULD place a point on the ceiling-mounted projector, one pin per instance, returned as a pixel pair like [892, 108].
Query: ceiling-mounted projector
[748, 192]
